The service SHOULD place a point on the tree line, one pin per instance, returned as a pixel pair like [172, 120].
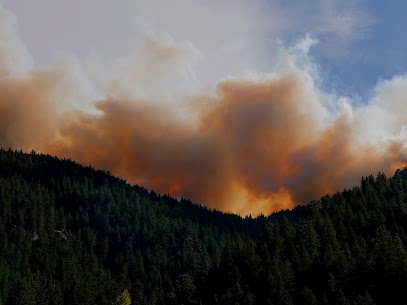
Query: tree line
[71, 234]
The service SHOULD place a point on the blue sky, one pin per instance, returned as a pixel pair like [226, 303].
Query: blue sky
[380, 53]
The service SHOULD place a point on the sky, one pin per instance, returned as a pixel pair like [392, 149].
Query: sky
[359, 42]
[244, 106]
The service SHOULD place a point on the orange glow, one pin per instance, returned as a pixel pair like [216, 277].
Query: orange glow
[256, 147]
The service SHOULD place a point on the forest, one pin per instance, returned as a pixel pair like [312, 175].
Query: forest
[72, 234]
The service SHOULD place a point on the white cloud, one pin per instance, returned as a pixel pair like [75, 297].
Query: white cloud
[233, 36]
[14, 57]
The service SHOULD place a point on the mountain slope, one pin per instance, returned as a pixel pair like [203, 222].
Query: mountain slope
[78, 235]
[349, 248]
[75, 235]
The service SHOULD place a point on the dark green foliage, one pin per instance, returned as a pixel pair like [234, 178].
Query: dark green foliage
[74, 235]
[349, 248]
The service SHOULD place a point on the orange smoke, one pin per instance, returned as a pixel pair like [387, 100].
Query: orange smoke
[256, 147]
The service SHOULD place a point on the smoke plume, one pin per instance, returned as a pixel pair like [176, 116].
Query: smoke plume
[254, 144]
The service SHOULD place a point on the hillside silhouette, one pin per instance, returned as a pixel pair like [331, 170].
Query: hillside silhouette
[71, 234]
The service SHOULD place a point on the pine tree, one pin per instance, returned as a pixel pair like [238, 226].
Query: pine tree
[123, 298]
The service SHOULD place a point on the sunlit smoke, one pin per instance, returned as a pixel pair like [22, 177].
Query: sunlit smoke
[252, 143]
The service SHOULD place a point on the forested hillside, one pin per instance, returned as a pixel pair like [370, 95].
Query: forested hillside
[75, 235]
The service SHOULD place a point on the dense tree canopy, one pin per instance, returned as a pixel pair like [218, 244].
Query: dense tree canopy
[71, 234]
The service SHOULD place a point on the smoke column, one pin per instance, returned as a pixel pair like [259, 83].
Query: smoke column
[251, 144]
